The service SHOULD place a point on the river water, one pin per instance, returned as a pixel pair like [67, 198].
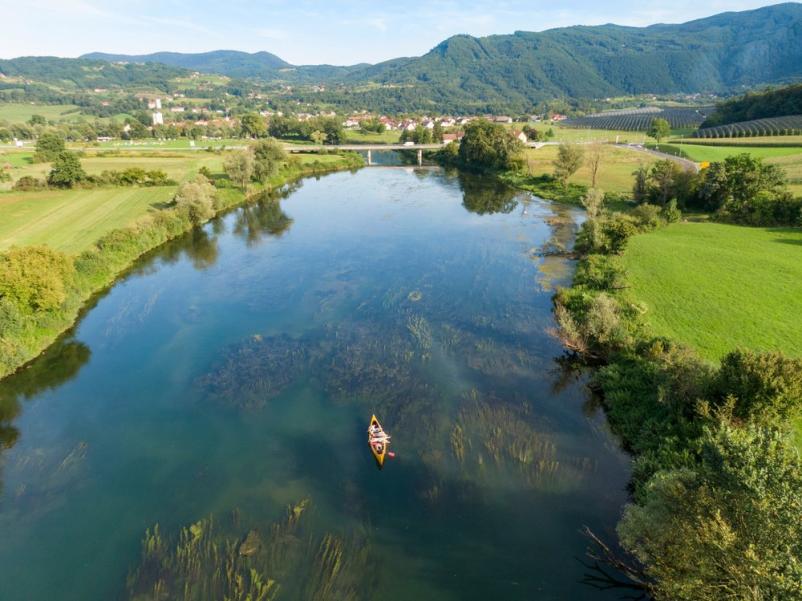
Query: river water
[223, 388]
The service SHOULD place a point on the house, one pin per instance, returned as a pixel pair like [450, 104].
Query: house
[158, 119]
[559, 117]
[449, 138]
[519, 135]
[177, 109]
[502, 119]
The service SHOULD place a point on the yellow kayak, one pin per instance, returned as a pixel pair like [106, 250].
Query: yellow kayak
[378, 448]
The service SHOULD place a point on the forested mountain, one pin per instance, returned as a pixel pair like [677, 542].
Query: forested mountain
[758, 105]
[725, 53]
[226, 62]
[79, 73]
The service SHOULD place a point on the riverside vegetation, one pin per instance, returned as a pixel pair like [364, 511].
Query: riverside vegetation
[717, 481]
[42, 290]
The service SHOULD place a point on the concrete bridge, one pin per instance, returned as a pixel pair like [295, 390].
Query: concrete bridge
[368, 148]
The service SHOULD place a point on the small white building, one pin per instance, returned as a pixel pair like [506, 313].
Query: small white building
[158, 119]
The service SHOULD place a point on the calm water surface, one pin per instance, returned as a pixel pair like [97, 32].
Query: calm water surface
[227, 382]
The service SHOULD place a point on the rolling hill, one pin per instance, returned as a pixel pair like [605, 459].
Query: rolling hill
[725, 53]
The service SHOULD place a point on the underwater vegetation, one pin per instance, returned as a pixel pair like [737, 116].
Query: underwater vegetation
[225, 560]
[492, 440]
[252, 373]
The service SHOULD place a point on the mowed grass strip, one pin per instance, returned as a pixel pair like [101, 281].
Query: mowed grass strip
[19, 112]
[717, 287]
[72, 220]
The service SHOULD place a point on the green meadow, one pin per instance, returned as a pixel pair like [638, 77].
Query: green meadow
[717, 287]
[22, 112]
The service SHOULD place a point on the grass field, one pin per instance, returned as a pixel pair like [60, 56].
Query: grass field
[360, 137]
[22, 112]
[752, 141]
[719, 153]
[717, 287]
[178, 166]
[615, 172]
[569, 134]
[72, 220]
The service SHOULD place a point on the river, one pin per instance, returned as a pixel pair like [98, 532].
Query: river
[227, 381]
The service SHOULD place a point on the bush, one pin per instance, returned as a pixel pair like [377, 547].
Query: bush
[763, 388]
[28, 183]
[727, 528]
[599, 272]
[35, 278]
[647, 216]
[765, 209]
[197, 199]
[606, 235]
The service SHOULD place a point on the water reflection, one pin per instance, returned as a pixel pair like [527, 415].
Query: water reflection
[486, 195]
[261, 217]
[59, 364]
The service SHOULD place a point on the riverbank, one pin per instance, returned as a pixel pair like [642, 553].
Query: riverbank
[77, 278]
[709, 439]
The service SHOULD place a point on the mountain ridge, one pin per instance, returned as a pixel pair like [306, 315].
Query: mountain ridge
[723, 53]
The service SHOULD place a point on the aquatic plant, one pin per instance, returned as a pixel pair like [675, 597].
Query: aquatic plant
[255, 371]
[210, 561]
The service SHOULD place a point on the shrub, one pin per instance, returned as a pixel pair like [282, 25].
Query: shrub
[647, 216]
[35, 278]
[764, 388]
[197, 199]
[726, 528]
[671, 212]
[28, 183]
[599, 272]
[607, 235]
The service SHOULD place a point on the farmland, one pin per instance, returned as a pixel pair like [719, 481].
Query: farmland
[72, 220]
[775, 126]
[640, 119]
[22, 112]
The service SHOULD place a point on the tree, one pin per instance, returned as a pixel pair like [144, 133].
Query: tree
[594, 162]
[593, 202]
[663, 178]
[239, 167]
[35, 278]
[763, 388]
[532, 133]
[727, 529]
[253, 125]
[318, 137]
[37, 120]
[48, 147]
[737, 180]
[268, 157]
[66, 171]
[568, 162]
[489, 146]
[659, 129]
[197, 198]
[437, 133]
[640, 187]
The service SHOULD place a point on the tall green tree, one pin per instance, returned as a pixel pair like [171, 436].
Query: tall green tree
[727, 530]
[239, 168]
[48, 147]
[489, 146]
[66, 171]
[253, 125]
[568, 161]
[268, 157]
[659, 129]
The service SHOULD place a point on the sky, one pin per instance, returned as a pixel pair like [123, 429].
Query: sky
[335, 32]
